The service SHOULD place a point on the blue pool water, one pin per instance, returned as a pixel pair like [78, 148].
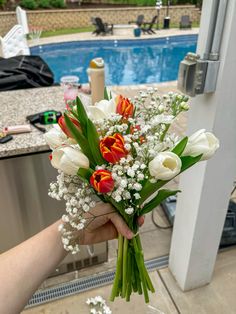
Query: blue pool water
[127, 62]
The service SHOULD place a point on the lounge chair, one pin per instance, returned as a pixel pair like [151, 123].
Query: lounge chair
[102, 28]
[95, 25]
[139, 21]
[21, 17]
[147, 28]
[185, 22]
[14, 43]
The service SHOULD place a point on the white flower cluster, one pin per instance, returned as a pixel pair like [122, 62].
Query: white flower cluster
[128, 175]
[98, 306]
[78, 197]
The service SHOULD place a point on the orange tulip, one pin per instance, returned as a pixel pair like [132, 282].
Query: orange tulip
[124, 107]
[102, 181]
[112, 148]
[62, 124]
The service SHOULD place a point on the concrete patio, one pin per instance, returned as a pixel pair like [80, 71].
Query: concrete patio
[89, 36]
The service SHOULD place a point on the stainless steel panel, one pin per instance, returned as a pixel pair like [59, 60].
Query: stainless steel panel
[26, 208]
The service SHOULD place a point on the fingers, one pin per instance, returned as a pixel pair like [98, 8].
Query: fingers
[121, 226]
[141, 220]
[104, 233]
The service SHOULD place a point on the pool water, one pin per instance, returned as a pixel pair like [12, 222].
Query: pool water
[127, 62]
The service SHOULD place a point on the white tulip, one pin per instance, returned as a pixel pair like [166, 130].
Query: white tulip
[201, 142]
[102, 109]
[165, 166]
[55, 137]
[69, 160]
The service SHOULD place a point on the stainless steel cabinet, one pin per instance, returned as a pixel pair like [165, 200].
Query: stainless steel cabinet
[26, 208]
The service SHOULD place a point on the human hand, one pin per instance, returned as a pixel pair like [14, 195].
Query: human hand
[104, 223]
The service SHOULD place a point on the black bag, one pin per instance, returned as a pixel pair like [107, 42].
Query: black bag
[24, 72]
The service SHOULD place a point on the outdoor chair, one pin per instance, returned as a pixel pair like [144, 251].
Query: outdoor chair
[14, 43]
[148, 27]
[185, 22]
[21, 17]
[95, 25]
[102, 28]
[139, 21]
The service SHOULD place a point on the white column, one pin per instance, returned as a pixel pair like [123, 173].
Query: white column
[202, 206]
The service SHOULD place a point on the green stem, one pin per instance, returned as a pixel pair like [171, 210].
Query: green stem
[149, 283]
[118, 276]
[124, 270]
[129, 277]
[135, 275]
[140, 264]
[164, 132]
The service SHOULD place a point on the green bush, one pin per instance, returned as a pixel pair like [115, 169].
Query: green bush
[141, 2]
[2, 3]
[29, 4]
[57, 3]
[44, 4]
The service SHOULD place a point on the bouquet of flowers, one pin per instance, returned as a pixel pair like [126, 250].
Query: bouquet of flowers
[123, 153]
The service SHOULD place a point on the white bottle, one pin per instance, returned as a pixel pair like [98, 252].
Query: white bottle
[96, 76]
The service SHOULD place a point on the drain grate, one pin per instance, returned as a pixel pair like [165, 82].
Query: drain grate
[85, 284]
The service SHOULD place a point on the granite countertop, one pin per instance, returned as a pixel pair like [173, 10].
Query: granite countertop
[16, 105]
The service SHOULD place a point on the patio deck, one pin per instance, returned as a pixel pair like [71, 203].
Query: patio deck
[89, 36]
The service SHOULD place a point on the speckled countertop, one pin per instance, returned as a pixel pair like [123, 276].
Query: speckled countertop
[16, 105]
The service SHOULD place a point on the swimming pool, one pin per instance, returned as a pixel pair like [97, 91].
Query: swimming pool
[128, 62]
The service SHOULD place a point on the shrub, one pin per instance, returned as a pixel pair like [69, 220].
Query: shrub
[44, 4]
[57, 3]
[2, 3]
[29, 4]
[141, 2]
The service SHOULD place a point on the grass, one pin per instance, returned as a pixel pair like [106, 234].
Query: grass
[67, 31]
[90, 29]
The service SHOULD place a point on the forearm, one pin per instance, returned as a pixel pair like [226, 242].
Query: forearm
[22, 272]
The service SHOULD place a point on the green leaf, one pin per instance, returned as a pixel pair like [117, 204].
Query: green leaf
[161, 196]
[106, 94]
[85, 173]
[74, 114]
[150, 188]
[80, 139]
[82, 115]
[179, 148]
[189, 161]
[93, 140]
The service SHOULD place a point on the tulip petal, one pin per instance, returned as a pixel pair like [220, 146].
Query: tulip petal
[165, 166]
[96, 113]
[55, 137]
